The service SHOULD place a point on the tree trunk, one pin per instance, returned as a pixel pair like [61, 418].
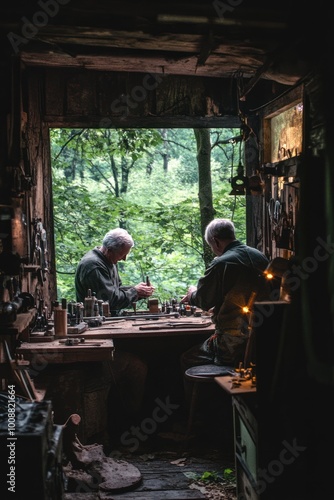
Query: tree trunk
[202, 136]
[165, 150]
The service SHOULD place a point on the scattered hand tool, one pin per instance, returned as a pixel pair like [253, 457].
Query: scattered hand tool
[165, 326]
[79, 341]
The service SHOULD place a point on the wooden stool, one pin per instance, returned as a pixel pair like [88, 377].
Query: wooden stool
[203, 374]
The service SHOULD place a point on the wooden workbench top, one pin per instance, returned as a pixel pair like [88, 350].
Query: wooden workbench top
[57, 352]
[99, 345]
[162, 327]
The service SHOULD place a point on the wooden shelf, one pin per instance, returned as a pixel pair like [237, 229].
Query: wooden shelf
[21, 323]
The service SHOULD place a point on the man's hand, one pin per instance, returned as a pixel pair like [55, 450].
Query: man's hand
[190, 291]
[144, 290]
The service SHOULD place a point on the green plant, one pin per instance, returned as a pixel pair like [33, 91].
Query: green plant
[215, 477]
[210, 477]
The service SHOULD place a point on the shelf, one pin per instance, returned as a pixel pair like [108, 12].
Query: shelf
[21, 323]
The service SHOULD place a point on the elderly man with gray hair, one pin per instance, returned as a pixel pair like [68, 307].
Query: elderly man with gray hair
[127, 373]
[231, 281]
[98, 272]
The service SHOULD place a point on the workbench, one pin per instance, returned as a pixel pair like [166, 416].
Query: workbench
[159, 327]
[72, 378]
[64, 368]
[97, 343]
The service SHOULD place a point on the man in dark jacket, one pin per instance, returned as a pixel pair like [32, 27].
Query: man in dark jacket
[232, 281]
[97, 271]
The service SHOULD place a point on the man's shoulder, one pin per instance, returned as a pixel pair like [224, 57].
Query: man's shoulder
[91, 259]
[258, 253]
[245, 255]
[92, 254]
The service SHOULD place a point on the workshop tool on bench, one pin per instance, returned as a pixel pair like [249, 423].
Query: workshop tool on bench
[134, 305]
[176, 326]
[79, 341]
[143, 317]
[153, 305]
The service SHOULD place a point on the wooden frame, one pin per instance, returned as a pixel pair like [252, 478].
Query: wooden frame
[282, 134]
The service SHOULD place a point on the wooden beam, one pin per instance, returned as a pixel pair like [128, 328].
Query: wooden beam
[144, 122]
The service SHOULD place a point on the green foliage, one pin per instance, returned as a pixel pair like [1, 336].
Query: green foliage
[106, 178]
[229, 475]
[212, 477]
[226, 476]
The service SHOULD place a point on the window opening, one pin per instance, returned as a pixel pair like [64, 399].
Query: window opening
[145, 180]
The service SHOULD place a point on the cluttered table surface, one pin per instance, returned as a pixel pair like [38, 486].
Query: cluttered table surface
[96, 343]
[152, 326]
[236, 384]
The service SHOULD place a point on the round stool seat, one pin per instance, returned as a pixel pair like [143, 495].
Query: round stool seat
[206, 371]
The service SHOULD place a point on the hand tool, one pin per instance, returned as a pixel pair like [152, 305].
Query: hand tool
[79, 341]
[145, 316]
[176, 325]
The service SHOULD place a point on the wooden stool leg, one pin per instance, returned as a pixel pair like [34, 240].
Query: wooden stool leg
[192, 408]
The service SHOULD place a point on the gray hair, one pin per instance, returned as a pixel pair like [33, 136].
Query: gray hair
[116, 239]
[222, 229]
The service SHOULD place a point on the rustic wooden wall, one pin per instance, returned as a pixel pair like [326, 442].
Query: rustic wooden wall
[93, 98]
